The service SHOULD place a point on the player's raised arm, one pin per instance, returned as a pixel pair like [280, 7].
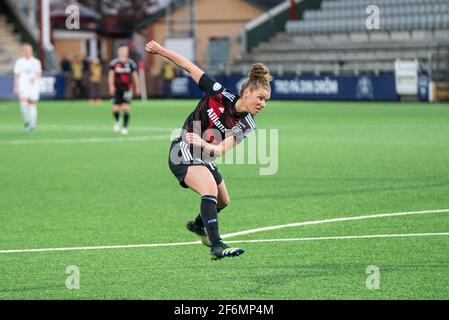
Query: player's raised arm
[181, 61]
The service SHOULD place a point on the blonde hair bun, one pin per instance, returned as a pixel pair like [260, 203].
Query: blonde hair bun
[259, 72]
[258, 77]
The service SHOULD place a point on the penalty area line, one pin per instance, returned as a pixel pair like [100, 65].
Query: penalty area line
[103, 247]
[371, 236]
[175, 244]
[382, 215]
[84, 128]
[304, 223]
[85, 140]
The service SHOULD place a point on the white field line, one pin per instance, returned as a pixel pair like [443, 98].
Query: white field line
[103, 247]
[260, 230]
[84, 128]
[85, 140]
[399, 235]
[298, 224]
[175, 244]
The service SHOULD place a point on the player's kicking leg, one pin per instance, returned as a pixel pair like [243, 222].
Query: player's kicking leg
[222, 250]
[196, 226]
[200, 179]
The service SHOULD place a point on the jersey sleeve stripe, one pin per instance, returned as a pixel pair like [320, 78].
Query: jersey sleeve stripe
[250, 121]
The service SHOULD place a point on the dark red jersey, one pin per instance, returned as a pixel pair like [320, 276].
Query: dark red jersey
[123, 79]
[217, 111]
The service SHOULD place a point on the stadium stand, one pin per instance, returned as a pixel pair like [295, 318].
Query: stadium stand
[9, 46]
[15, 29]
[334, 39]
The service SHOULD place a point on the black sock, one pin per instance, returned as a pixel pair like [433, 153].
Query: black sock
[199, 220]
[209, 216]
[125, 119]
[116, 116]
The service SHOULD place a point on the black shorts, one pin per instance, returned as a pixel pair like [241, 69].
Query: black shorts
[122, 96]
[180, 159]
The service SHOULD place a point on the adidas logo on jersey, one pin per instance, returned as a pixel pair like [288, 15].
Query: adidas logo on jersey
[228, 95]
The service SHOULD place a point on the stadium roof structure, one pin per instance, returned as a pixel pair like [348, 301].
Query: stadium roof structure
[261, 4]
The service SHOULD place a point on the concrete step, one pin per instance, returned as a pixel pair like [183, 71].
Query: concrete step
[8, 35]
[6, 27]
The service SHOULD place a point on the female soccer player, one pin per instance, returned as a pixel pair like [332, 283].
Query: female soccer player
[220, 121]
[28, 72]
[121, 75]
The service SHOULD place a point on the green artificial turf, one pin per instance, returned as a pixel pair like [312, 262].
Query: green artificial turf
[75, 183]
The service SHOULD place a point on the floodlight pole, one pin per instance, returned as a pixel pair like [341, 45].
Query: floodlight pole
[44, 29]
[46, 23]
[40, 50]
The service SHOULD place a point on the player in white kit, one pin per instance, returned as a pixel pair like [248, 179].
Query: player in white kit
[27, 72]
